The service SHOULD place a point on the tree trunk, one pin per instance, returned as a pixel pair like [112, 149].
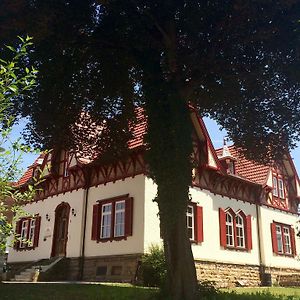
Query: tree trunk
[169, 159]
[182, 281]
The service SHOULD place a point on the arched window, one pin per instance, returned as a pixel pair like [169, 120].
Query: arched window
[240, 231]
[229, 229]
[235, 229]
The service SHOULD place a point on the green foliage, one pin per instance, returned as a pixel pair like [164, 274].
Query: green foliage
[154, 269]
[15, 80]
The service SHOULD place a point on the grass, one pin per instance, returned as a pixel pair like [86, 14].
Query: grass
[53, 291]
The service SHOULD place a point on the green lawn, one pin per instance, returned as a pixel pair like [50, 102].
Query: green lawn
[274, 291]
[73, 292]
[128, 292]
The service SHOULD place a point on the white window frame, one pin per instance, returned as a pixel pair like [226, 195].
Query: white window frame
[287, 240]
[240, 231]
[228, 226]
[123, 214]
[103, 215]
[275, 186]
[23, 233]
[190, 216]
[66, 161]
[281, 188]
[279, 238]
[31, 234]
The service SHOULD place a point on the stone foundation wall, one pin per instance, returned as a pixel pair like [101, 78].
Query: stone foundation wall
[284, 277]
[231, 275]
[228, 275]
[122, 268]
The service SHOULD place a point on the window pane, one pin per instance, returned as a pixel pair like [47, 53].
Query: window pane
[240, 231]
[106, 221]
[281, 188]
[287, 240]
[275, 187]
[23, 235]
[190, 222]
[31, 233]
[229, 230]
[120, 218]
[279, 239]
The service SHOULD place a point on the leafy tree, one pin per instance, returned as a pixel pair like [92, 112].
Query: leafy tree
[235, 60]
[15, 80]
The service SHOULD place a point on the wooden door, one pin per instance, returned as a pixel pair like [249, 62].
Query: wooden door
[60, 236]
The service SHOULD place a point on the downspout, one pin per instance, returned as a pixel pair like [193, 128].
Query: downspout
[85, 209]
[261, 260]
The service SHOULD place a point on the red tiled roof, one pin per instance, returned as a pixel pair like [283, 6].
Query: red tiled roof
[246, 168]
[29, 172]
[139, 130]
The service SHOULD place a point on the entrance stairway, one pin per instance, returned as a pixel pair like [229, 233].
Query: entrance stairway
[37, 270]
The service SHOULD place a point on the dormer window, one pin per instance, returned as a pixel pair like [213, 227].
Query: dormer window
[275, 187]
[278, 187]
[231, 167]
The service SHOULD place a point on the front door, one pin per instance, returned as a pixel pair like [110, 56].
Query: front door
[60, 236]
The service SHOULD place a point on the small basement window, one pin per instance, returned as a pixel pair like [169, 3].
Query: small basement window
[101, 271]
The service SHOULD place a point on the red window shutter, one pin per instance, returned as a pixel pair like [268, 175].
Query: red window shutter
[96, 222]
[274, 239]
[248, 231]
[199, 224]
[293, 241]
[222, 221]
[37, 231]
[128, 216]
[17, 233]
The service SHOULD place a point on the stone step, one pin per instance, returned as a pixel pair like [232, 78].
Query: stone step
[23, 278]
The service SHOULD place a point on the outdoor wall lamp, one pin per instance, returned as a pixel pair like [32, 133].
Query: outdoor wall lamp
[73, 211]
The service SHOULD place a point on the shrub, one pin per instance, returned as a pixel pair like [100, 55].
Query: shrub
[154, 268]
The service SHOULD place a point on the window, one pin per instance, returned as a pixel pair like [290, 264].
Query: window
[23, 236]
[279, 239]
[283, 239]
[31, 233]
[281, 188]
[66, 165]
[229, 230]
[112, 219]
[27, 232]
[240, 231]
[275, 186]
[106, 221]
[190, 222]
[194, 222]
[120, 218]
[287, 240]
[235, 230]
[278, 187]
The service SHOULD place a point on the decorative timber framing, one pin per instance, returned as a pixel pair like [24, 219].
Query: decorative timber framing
[73, 177]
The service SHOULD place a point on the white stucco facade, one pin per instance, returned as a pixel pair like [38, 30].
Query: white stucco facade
[146, 230]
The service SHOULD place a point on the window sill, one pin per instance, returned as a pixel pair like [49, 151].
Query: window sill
[193, 242]
[117, 239]
[285, 255]
[232, 248]
[25, 249]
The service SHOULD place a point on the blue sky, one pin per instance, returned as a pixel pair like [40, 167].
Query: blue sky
[213, 129]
